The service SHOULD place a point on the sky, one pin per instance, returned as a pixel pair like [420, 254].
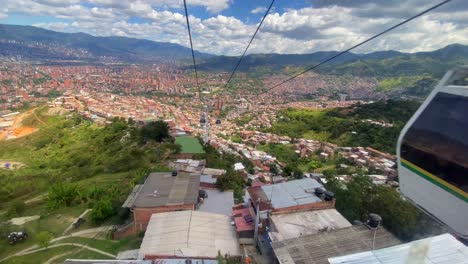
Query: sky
[224, 27]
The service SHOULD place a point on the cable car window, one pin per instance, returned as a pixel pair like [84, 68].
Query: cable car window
[459, 78]
[437, 143]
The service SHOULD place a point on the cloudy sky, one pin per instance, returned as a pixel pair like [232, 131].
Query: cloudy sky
[225, 26]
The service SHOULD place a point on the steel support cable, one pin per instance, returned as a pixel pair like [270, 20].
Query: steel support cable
[250, 42]
[191, 47]
[358, 45]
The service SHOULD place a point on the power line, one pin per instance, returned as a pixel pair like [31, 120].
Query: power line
[250, 42]
[359, 44]
[191, 47]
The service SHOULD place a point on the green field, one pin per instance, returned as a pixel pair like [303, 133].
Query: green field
[189, 145]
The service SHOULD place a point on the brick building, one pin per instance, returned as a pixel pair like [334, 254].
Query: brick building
[288, 197]
[160, 193]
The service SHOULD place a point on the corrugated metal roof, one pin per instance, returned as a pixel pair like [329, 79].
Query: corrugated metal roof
[189, 234]
[317, 248]
[304, 223]
[292, 193]
[160, 189]
[439, 249]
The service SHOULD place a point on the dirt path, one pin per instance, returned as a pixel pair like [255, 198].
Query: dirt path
[38, 119]
[17, 130]
[81, 233]
[36, 199]
[23, 252]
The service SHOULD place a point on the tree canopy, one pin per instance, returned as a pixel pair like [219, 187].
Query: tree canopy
[157, 131]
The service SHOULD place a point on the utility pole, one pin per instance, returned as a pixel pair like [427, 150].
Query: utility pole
[257, 220]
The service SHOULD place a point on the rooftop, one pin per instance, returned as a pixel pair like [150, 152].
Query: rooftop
[189, 234]
[159, 261]
[317, 248]
[439, 249]
[304, 223]
[161, 189]
[218, 202]
[240, 222]
[286, 194]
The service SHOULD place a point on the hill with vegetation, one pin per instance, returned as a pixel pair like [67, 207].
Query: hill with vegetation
[348, 126]
[33, 43]
[376, 64]
[71, 164]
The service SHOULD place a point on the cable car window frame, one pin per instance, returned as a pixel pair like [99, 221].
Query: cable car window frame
[418, 157]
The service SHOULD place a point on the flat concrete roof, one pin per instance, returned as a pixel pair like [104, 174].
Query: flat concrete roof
[161, 189]
[218, 202]
[189, 234]
[305, 223]
[287, 194]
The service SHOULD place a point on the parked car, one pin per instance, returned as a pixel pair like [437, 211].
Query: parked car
[15, 237]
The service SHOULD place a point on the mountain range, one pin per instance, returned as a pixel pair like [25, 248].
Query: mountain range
[33, 43]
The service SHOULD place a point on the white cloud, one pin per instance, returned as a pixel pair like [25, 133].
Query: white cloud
[328, 25]
[258, 10]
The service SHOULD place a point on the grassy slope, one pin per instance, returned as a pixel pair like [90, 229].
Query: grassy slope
[66, 150]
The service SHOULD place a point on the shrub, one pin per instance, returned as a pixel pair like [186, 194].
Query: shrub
[102, 210]
[43, 239]
[16, 208]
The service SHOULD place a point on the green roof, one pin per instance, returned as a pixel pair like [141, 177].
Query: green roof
[189, 145]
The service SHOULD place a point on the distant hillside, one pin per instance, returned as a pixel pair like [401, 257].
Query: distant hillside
[376, 64]
[278, 61]
[28, 42]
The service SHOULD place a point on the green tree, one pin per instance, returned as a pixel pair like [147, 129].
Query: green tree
[232, 180]
[359, 197]
[102, 210]
[273, 168]
[43, 239]
[62, 195]
[157, 131]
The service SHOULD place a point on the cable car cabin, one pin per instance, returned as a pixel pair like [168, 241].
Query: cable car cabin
[433, 153]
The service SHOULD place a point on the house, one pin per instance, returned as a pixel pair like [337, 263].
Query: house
[189, 234]
[293, 225]
[288, 197]
[160, 193]
[318, 248]
[244, 223]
